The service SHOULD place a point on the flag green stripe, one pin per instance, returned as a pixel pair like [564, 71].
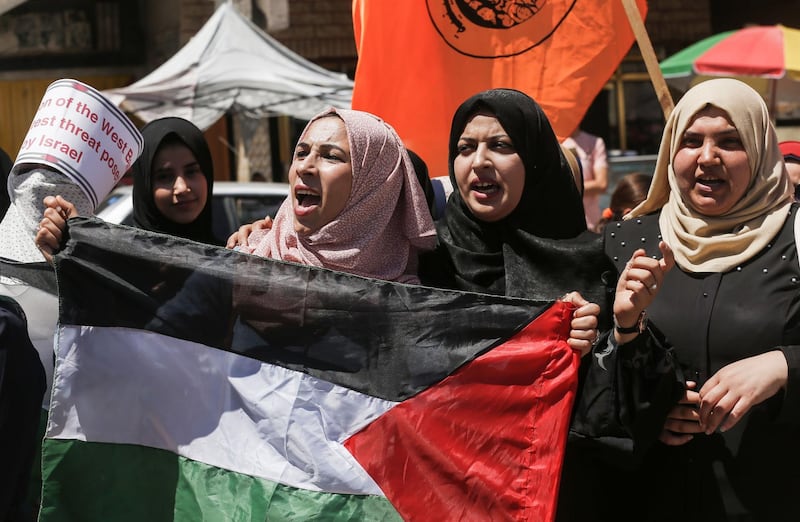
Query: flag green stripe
[157, 485]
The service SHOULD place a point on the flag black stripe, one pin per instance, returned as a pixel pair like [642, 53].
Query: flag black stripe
[38, 275]
[384, 339]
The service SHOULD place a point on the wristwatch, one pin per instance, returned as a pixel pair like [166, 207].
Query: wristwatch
[639, 327]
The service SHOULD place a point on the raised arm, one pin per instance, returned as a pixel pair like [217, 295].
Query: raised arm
[52, 228]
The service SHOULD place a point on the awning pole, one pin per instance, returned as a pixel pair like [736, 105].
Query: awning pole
[242, 161]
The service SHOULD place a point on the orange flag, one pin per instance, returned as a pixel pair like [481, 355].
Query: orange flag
[419, 59]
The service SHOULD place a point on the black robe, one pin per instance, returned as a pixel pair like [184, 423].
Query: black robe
[752, 471]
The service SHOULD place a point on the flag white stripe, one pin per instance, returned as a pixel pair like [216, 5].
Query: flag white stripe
[135, 387]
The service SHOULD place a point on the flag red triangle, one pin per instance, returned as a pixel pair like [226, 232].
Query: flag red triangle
[487, 442]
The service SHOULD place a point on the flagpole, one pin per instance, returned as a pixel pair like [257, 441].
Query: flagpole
[649, 56]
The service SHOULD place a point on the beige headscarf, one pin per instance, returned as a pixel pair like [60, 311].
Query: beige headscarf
[720, 243]
[385, 223]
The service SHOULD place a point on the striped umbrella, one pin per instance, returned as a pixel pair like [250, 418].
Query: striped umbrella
[767, 57]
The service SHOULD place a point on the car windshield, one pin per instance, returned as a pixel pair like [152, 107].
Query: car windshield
[241, 209]
[112, 199]
[232, 205]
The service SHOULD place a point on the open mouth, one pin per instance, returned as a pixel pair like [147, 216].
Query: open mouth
[710, 182]
[307, 198]
[487, 188]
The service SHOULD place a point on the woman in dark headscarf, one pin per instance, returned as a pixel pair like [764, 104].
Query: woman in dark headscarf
[172, 185]
[514, 225]
[507, 220]
[173, 181]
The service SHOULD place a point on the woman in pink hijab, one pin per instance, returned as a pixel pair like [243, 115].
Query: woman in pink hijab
[355, 204]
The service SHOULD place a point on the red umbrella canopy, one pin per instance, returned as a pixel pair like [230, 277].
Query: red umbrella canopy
[766, 57]
[769, 51]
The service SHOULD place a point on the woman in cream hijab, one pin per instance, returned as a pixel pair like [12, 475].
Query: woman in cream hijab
[721, 199]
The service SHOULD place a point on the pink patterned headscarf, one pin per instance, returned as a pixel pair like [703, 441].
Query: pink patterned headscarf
[385, 223]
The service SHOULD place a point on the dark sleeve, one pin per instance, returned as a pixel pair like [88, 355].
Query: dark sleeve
[790, 409]
[22, 387]
[628, 390]
[436, 269]
[22, 378]
[650, 383]
[596, 413]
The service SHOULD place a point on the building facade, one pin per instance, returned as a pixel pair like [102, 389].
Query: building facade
[110, 43]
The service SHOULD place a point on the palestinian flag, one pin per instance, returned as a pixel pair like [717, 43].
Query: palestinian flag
[197, 383]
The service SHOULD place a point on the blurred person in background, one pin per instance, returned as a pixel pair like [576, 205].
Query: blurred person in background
[631, 190]
[591, 152]
[791, 156]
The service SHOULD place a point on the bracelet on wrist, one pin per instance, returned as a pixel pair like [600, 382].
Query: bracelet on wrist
[637, 328]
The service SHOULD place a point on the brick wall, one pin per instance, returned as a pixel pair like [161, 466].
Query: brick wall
[161, 28]
[192, 15]
[169, 24]
[321, 31]
[675, 24]
[733, 14]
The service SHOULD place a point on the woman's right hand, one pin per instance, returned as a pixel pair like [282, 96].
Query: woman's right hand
[239, 238]
[683, 420]
[53, 225]
[583, 332]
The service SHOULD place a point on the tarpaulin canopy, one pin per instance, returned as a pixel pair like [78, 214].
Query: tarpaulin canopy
[8, 5]
[231, 65]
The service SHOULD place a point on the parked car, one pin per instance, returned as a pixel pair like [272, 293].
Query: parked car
[234, 204]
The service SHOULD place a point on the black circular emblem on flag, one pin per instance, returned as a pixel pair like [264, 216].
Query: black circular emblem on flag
[496, 28]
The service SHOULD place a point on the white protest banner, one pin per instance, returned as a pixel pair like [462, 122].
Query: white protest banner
[79, 132]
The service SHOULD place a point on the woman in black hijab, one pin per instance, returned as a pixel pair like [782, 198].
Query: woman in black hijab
[173, 181]
[514, 225]
[524, 253]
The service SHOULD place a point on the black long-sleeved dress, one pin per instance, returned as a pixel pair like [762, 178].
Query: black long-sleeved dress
[713, 319]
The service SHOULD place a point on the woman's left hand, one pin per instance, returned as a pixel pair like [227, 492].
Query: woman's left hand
[239, 238]
[583, 327]
[730, 393]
